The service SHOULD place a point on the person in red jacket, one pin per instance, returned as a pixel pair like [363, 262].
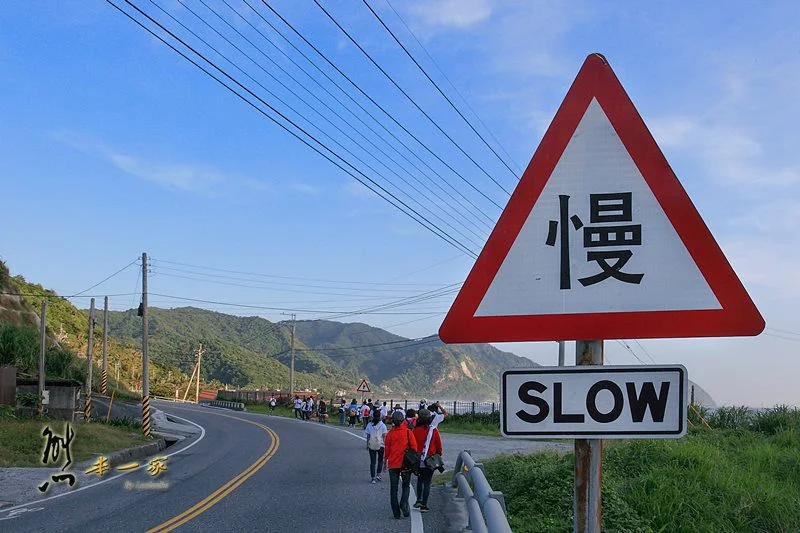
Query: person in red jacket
[397, 440]
[425, 474]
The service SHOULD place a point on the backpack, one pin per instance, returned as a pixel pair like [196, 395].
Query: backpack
[352, 411]
[374, 441]
[365, 413]
[410, 457]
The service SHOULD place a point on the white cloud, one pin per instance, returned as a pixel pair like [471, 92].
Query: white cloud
[460, 14]
[728, 155]
[770, 265]
[305, 188]
[182, 177]
[185, 177]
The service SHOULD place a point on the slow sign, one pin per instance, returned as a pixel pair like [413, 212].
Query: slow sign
[595, 402]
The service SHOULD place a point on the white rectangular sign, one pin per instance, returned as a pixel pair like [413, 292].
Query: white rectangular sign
[594, 402]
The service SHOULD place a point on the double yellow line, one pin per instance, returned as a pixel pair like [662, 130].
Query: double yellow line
[214, 498]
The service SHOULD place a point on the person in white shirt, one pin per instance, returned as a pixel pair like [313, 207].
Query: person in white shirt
[297, 405]
[366, 413]
[375, 432]
[384, 410]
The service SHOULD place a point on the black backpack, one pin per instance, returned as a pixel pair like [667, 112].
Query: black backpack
[411, 458]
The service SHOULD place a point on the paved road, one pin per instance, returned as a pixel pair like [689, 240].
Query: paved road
[246, 473]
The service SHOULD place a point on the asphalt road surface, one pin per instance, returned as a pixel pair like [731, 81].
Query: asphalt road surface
[244, 472]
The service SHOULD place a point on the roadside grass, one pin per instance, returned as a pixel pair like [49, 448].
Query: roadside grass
[22, 442]
[262, 408]
[469, 424]
[745, 477]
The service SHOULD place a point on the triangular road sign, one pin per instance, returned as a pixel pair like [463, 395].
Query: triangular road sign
[599, 240]
[363, 387]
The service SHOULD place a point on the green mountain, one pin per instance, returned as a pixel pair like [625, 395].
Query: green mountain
[330, 356]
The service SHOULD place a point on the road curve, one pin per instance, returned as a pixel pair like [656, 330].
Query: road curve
[248, 473]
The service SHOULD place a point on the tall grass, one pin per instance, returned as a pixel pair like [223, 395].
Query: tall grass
[741, 475]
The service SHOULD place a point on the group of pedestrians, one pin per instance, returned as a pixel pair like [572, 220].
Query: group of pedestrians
[388, 451]
[307, 408]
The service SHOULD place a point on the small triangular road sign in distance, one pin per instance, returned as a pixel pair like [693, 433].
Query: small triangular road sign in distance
[599, 240]
[363, 386]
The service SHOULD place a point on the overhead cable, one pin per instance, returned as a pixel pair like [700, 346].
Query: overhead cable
[436, 85]
[320, 147]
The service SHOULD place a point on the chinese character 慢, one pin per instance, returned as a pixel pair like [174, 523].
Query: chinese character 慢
[603, 209]
[157, 465]
[100, 467]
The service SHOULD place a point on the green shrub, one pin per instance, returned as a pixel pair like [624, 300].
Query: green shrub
[7, 412]
[730, 417]
[19, 346]
[125, 422]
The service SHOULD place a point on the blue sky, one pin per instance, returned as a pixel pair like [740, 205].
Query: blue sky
[114, 145]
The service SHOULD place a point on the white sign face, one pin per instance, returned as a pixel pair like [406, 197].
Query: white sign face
[597, 240]
[594, 402]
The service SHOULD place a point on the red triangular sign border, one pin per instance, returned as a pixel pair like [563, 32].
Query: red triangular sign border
[738, 315]
[363, 386]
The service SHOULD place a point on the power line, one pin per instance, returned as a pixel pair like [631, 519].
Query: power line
[314, 109]
[475, 208]
[106, 279]
[430, 212]
[444, 75]
[639, 344]
[426, 115]
[320, 280]
[784, 331]
[268, 308]
[625, 344]
[386, 196]
[282, 284]
[460, 114]
[389, 115]
[358, 347]
[331, 110]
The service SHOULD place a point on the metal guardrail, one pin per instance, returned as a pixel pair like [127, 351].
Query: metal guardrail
[236, 406]
[486, 507]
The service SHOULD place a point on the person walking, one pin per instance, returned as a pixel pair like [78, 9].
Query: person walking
[303, 405]
[272, 403]
[353, 413]
[365, 414]
[375, 433]
[429, 443]
[342, 412]
[297, 404]
[384, 410]
[322, 411]
[397, 440]
[411, 418]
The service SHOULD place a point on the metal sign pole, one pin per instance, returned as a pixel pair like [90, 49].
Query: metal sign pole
[588, 507]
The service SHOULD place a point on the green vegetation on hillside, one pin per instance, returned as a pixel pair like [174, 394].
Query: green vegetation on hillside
[744, 478]
[245, 352]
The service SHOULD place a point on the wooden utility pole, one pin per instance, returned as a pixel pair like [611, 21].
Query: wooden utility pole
[145, 374]
[87, 412]
[191, 378]
[104, 381]
[197, 387]
[291, 367]
[43, 350]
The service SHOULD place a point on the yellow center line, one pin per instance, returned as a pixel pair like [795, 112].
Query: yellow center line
[215, 497]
